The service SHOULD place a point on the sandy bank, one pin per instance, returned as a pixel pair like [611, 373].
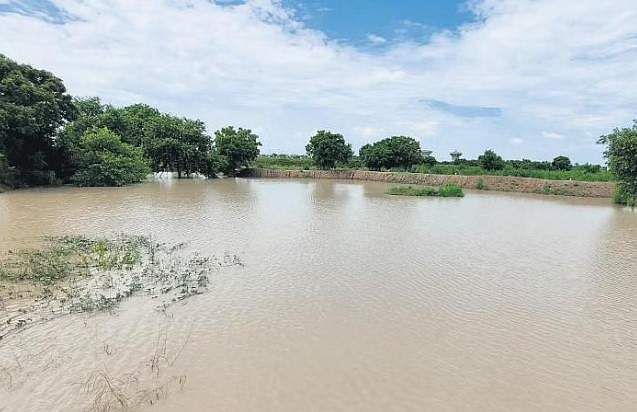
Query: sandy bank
[500, 183]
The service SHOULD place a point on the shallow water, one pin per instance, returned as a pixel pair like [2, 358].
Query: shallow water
[348, 299]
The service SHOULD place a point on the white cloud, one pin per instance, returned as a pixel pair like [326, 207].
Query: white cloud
[567, 66]
[516, 140]
[553, 135]
[375, 39]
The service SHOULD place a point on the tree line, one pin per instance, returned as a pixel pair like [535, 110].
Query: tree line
[47, 136]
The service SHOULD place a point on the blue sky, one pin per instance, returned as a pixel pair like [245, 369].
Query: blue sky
[386, 21]
[527, 78]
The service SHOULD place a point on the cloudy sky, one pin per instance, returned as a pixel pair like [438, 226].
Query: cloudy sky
[528, 78]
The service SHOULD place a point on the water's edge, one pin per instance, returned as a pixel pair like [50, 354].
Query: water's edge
[486, 182]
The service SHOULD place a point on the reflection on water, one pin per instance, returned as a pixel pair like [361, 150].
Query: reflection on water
[353, 300]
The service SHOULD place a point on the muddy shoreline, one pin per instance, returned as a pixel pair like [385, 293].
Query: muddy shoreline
[485, 182]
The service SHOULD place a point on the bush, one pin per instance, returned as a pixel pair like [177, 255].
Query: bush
[448, 190]
[394, 152]
[562, 163]
[104, 160]
[491, 161]
[328, 149]
[621, 152]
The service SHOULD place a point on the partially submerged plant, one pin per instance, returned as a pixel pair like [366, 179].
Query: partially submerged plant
[448, 190]
[76, 274]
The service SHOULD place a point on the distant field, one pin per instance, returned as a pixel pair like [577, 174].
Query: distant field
[580, 173]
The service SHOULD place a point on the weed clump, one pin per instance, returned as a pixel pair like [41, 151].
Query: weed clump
[448, 190]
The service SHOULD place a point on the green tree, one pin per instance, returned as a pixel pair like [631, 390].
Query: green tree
[562, 163]
[396, 151]
[490, 160]
[621, 153]
[33, 104]
[103, 159]
[237, 148]
[327, 149]
[171, 143]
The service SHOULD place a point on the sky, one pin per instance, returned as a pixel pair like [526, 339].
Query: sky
[528, 78]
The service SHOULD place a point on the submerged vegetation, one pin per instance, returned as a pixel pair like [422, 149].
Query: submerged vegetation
[448, 190]
[74, 274]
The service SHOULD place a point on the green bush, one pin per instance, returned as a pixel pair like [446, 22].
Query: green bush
[621, 152]
[104, 160]
[490, 160]
[448, 190]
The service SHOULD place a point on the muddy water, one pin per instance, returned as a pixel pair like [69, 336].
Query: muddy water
[348, 300]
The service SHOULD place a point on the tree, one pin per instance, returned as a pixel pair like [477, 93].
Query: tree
[171, 143]
[327, 149]
[103, 159]
[33, 105]
[429, 160]
[177, 144]
[396, 151]
[238, 148]
[490, 160]
[455, 156]
[562, 163]
[621, 153]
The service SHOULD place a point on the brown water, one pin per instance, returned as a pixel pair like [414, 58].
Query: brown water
[349, 300]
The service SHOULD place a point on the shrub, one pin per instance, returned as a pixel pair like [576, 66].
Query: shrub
[104, 160]
[621, 152]
[490, 160]
[394, 152]
[562, 163]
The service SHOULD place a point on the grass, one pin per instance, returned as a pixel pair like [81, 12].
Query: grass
[585, 173]
[577, 173]
[449, 190]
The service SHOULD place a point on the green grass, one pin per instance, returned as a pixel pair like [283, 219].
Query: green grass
[579, 172]
[449, 190]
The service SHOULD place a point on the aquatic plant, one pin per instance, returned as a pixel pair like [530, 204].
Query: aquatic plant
[448, 190]
[76, 274]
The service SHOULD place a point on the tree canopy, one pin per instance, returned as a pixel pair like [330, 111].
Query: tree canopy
[621, 153]
[327, 149]
[235, 149]
[490, 160]
[396, 151]
[103, 159]
[562, 163]
[33, 104]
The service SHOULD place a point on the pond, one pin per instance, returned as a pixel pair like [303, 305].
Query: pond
[346, 299]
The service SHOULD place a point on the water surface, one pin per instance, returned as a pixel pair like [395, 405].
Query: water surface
[349, 299]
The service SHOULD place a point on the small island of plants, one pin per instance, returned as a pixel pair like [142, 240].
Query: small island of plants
[448, 190]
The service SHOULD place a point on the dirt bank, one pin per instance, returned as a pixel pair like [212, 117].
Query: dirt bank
[500, 183]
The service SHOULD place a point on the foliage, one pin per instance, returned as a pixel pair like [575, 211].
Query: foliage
[170, 143]
[621, 152]
[104, 160]
[429, 160]
[394, 152]
[490, 160]
[562, 163]
[448, 190]
[283, 161]
[33, 104]
[581, 173]
[327, 149]
[239, 147]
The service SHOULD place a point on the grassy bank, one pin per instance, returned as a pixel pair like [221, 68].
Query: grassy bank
[442, 191]
[583, 173]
